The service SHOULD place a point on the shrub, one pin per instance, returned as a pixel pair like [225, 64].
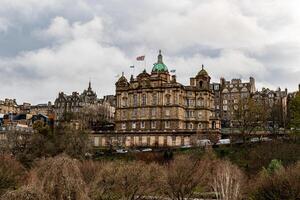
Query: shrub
[120, 180]
[283, 184]
[60, 178]
[12, 173]
[25, 193]
[182, 177]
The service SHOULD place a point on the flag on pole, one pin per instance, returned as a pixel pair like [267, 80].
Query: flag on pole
[140, 58]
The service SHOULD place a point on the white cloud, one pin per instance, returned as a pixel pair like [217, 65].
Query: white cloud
[61, 30]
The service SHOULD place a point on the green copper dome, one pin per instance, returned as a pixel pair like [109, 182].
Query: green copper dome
[159, 66]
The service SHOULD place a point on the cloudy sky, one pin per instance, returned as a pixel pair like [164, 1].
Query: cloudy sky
[47, 46]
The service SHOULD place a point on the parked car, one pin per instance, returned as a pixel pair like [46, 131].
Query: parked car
[255, 139]
[223, 141]
[121, 151]
[204, 142]
[146, 150]
[266, 139]
[186, 146]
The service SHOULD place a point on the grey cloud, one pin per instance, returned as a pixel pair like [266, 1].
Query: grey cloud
[49, 46]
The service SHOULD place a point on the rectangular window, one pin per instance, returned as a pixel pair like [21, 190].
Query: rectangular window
[167, 124]
[153, 112]
[142, 125]
[134, 113]
[154, 99]
[123, 126]
[144, 99]
[153, 124]
[224, 107]
[135, 100]
[123, 114]
[224, 101]
[133, 125]
[167, 112]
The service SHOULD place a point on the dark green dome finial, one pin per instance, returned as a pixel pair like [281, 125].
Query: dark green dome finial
[159, 66]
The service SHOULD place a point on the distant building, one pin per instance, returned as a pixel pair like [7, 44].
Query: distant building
[227, 95]
[76, 103]
[46, 109]
[275, 103]
[290, 98]
[9, 106]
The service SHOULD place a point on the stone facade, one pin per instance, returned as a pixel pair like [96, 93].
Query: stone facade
[46, 109]
[156, 104]
[74, 102]
[9, 106]
[227, 95]
[87, 100]
[274, 101]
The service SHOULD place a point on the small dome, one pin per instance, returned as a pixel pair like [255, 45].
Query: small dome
[159, 66]
[122, 78]
[202, 72]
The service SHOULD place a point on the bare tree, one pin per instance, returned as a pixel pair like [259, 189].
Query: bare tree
[250, 115]
[126, 181]
[60, 178]
[182, 177]
[227, 181]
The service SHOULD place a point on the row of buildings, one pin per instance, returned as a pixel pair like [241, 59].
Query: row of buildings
[155, 109]
[12, 114]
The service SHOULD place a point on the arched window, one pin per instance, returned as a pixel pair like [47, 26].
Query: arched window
[199, 126]
[124, 102]
[201, 84]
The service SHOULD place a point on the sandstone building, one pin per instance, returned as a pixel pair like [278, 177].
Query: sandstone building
[82, 103]
[154, 109]
[9, 106]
